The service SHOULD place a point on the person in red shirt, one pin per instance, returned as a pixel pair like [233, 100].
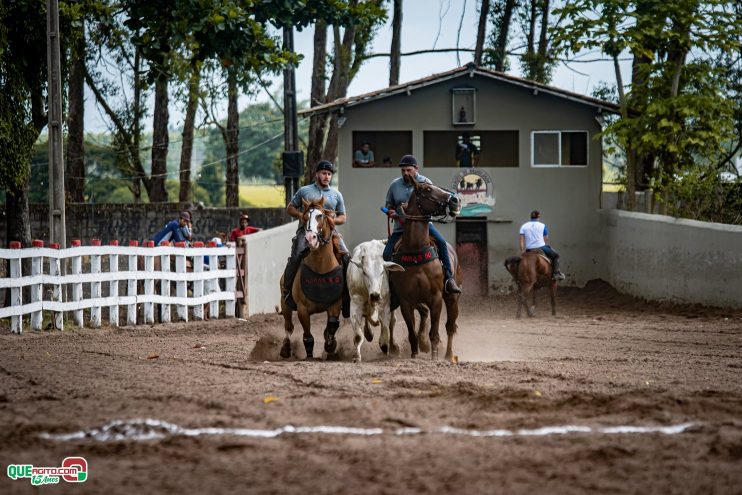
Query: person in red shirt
[243, 229]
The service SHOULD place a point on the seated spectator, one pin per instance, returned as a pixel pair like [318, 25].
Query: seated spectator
[243, 229]
[386, 162]
[364, 157]
[176, 230]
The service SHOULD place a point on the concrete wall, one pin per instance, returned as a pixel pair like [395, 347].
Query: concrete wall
[266, 253]
[665, 258]
[567, 197]
[123, 222]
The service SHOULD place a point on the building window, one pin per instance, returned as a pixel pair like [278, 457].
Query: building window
[559, 148]
[463, 105]
[376, 149]
[457, 149]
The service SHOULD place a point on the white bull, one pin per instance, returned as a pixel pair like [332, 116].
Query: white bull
[368, 284]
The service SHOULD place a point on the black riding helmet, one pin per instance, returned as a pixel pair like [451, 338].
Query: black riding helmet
[325, 165]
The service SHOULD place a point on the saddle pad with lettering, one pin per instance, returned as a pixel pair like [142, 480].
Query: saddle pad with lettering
[322, 287]
[415, 258]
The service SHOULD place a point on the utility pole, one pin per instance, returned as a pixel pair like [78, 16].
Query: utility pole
[57, 232]
[293, 159]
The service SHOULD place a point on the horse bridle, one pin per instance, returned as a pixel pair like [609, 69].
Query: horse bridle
[307, 227]
[440, 206]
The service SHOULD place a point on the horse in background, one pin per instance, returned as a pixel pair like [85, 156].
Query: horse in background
[422, 281]
[318, 285]
[531, 271]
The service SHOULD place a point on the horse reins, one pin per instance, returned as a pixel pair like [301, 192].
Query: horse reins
[324, 241]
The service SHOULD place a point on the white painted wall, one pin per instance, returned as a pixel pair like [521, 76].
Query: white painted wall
[266, 253]
[666, 258]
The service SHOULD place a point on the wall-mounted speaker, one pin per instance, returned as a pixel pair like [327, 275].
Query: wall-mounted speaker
[293, 163]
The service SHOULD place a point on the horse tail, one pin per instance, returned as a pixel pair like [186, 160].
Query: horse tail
[511, 265]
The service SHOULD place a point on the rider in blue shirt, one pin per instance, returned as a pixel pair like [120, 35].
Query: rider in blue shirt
[399, 192]
[320, 188]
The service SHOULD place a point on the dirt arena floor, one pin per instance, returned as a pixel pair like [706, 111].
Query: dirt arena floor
[605, 361]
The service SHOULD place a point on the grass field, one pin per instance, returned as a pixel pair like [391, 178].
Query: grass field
[262, 196]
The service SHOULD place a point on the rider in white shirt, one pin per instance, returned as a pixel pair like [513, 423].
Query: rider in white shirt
[535, 235]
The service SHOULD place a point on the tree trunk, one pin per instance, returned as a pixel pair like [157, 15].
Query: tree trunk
[231, 135]
[501, 42]
[395, 60]
[339, 85]
[317, 123]
[18, 225]
[135, 129]
[160, 140]
[75, 174]
[541, 56]
[481, 31]
[186, 150]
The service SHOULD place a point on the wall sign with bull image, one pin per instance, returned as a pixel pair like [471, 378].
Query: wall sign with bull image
[474, 187]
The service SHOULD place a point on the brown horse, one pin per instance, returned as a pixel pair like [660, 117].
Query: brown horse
[422, 284]
[321, 275]
[531, 272]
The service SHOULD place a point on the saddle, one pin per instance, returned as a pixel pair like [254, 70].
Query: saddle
[541, 253]
[322, 288]
[415, 258]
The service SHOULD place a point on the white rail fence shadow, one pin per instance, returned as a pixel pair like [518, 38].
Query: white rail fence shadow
[134, 278]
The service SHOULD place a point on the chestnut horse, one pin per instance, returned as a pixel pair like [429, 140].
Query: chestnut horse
[531, 271]
[320, 271]
[422, 284]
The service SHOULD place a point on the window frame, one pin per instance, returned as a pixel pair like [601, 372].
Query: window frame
[461, 91]
[559, 148]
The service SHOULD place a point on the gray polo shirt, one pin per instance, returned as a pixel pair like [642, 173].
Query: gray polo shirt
[399, 192]
[333, 198]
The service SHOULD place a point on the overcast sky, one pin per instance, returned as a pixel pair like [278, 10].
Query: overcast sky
[420, 31]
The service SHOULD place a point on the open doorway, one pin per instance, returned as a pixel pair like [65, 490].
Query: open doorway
[471, 248]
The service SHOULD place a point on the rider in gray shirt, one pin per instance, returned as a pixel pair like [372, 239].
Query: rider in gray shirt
[399, 192]
[320, 188]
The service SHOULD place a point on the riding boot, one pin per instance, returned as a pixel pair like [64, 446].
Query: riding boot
[346, 293]
[557, 274]
[450, 285]
[289, 275]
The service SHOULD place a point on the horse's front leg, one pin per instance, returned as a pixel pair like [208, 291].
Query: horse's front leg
[422, 329]
[288, 325]
[333, 323]
[452, 314]
[435, 319]
[409, 318]
[308, 340]
[552, 295]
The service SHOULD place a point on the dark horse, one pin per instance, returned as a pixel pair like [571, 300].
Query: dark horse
[318, 285]
[422, 283]
[530, 272]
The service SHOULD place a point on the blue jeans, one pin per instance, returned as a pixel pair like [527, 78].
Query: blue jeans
[440, 243]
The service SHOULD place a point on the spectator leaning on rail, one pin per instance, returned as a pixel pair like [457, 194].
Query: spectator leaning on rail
[178, 230]
[535, 235]
[243, 229]
[333, 201]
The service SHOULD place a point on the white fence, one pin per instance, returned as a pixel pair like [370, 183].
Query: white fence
[196, 279]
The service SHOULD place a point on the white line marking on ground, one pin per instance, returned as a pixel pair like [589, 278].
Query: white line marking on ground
[154, 429]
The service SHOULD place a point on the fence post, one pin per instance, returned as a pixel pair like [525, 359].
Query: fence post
[149, 283]
[165, 284]
[230, 284]
[95, 269]
[55, 272]
[113, 288]
[16, 293]
[37, 290]
[198, 285]
[213, 284]
[77, 286]
[181, 285]
[131, 309]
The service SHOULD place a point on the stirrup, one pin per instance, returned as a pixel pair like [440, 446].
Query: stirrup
[558, 276]
[451, 287]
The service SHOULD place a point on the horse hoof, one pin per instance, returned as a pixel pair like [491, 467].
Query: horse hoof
[331, 345]
[286, 349]
[434, 356]
[357, 359]
[413, 356]
[385, 349]
[368, 333]
[424, 344]
[332, 356]
[394, 350]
